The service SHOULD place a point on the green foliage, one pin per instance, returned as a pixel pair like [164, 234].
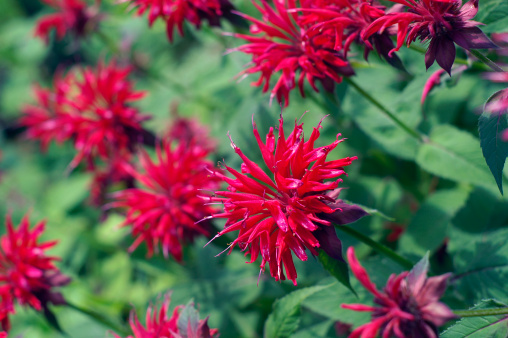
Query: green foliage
[336, 268]
[480, 327]
[285, 318]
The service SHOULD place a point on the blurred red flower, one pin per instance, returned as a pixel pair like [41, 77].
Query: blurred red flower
[283, 43]
[442, 22]
[72, 16]
[27, 275]
[409, 305]
[166, 210]
[91, 107]
[176, 12]
[285, 213]
[184, 322]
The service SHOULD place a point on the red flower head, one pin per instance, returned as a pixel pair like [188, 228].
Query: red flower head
[347, 20]
[92, 108]
[443, 22]
[184, 322]
[166, 210]
[73, 16]
[408, 306]
[26, 273]
[287, 45]
[176, 12]
[284, 212]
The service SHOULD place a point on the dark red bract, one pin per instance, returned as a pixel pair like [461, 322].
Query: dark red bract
[281, 43]
[280, 214]
[27, 275]
[73, 16]
[442, 22]
[166, 210]
[408, 306]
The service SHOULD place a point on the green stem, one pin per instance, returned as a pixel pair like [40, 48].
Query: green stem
[385, 110]
[99, 318]
[486, 60]
[112, 45]
[407, 264]
[481, 313]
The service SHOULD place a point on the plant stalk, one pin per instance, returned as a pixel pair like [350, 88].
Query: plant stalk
[382, 249]
[100, 319]
[486, 60]
[482, 312]
[385, 110]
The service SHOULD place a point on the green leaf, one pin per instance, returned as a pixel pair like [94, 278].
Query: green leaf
[429, 226]
[188, 319]
[495, 151]
[285, 317]
[494, 14]
[338, 269]
[480, 327]
[454, 154]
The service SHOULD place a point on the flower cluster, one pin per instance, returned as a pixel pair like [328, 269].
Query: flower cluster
[73, 16]
[27, 275]
[166, 209]
[184, 322]
[292, 210]
[408, 306]
[176, 12]
[443, 23]
[92, 108]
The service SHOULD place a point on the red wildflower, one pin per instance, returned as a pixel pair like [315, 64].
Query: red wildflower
[176, 12]
[92, 108]
[167, 209]
[184, 322]
[347, 20]
[408, 306]
[285, 213]
[288, 45]
[73, 16]
[26, 273]
[442, 22]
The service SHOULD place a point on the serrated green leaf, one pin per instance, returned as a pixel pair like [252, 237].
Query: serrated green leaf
[285, 317]
[454, 154]
[480, 327]
[429, 226]
[336, 268]
[495, 151]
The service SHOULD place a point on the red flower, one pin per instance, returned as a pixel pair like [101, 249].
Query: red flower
[176, 12]
[287, 45]
[92, 108]
[408, 306]
[159, 325]
[166, 210]
[443, 22]
[347, 20]
[73, 16]
[282, 213]
[26, 273]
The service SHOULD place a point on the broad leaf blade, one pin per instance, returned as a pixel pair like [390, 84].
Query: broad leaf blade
[285, 317]
[480, 327]
[495, 151]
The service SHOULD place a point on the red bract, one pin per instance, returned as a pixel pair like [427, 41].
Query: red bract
[27, 275]
[442, 22]
[91, 107]
[346, 21]
[73, 16]
[285, 45]
[165, 212]
[184, 322]
[408, 306]
[283, 213]
[176, 12]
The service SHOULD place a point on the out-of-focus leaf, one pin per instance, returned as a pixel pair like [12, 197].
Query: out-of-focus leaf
[285, 317]
[480, 327]
[494, 14]
[429, 226]
[454, 154]
[495, 150]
